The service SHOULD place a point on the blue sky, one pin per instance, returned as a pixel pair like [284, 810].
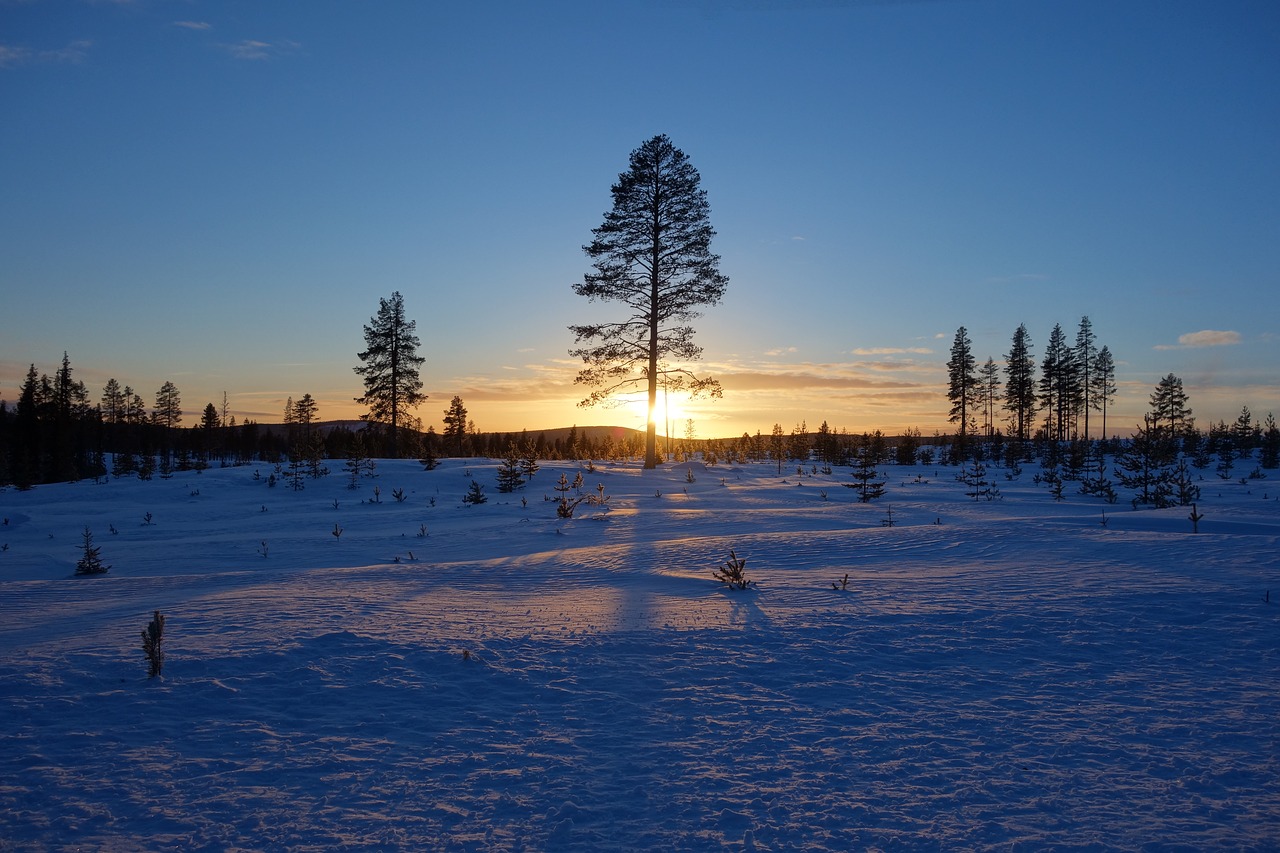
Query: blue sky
[218, 193]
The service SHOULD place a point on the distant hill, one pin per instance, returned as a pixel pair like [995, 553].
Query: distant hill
[593, 433]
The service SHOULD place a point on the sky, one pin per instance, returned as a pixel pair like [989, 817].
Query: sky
[218, 194]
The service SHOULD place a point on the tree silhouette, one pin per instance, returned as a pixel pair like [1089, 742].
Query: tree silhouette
[652, 254]
[392, 385]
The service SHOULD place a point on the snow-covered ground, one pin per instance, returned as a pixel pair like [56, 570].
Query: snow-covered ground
[1009, 675]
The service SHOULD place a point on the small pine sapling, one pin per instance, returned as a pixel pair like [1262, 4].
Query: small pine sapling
[842, 584]
[475, 495]
[152, 644]
[733, 573]
[398, 494]
[1195, 517]
[90, 562]
[337, 532]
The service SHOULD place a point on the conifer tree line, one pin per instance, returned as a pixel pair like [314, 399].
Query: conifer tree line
[1076, 379]
[58, 433]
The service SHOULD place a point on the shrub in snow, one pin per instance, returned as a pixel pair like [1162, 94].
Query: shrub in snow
[90, 562]
[842, 584]
[733, 573]
[152, 644]
[475, 495]
[1195, 517]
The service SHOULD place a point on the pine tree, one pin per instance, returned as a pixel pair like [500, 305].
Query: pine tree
[90, 562]
[1244, 434]
[510, 476]
[474, 495]
[1270, 456]
[989, 390]
[305, 412]
[1104, 387]
[528, 459]
[866, 480]
[455, 425]
[962, 386]
[1086, 362]
[168, 411]
[358, 463]
[429, 459]
[1059, 386]
[1170, 415]
[778, 447]
[652, 254]
[390, 368]
[27, 465]
[113, 402]
[1141, 464]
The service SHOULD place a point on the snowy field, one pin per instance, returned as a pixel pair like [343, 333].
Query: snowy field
[1007, 675]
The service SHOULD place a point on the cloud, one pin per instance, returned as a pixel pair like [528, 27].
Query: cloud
[891, 351]
[75, 52]
[11, 56]
[253, 49]
[193, 25]
[779, 351]
[1204, 338]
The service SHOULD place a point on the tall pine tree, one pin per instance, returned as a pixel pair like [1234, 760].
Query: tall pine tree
[1020, 384]
[392, 385]
[1086, 362]
[962, 387]
[653, 255]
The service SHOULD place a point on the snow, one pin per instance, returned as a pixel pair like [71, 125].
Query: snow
[1009, 675]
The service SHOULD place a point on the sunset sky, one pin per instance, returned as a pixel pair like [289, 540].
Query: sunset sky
[218, 194]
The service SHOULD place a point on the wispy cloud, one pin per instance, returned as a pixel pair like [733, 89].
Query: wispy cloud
[193, 25]
[776, 351]
[891, 351]
[12, 56]
[255, 50]
[1204, 338]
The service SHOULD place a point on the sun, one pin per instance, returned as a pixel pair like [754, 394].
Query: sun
[670, 415]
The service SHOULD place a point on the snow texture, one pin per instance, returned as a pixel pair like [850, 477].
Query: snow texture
[1010, 675]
